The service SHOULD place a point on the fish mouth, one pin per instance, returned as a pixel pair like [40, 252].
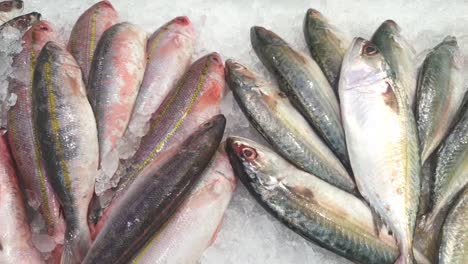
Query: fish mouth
[261, 36]
[315, 14]
[392, 25]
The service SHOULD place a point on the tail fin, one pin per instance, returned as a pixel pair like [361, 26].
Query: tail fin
[76, 245]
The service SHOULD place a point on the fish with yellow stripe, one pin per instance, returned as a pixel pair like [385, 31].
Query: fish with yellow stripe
[22, 135]
[87, 31]
[196, 98]
[114, 81]
[67, 135]
[147, 205]
[169, 53]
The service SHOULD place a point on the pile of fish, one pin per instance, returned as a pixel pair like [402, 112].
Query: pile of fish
[113, 153]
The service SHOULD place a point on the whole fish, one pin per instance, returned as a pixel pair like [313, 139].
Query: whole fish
[169, 52]
[21, 131]
[67, 135]
[382, 140]
[21, 23]
[399, 54]
[151, 201]
[315, 209]
[115, 78]
[15, 235]
[283, 126]
[326, 44]
[303, 82]
[451, 176]
[454, 244]
[440, 93]
[87, 32]
[9, 9]
[196, 223]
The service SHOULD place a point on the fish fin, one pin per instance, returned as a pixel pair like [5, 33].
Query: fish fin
[76, 245]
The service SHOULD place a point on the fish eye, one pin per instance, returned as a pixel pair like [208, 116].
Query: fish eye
[249, 153]
[369, 49]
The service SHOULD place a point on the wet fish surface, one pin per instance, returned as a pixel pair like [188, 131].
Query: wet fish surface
[384, 158]
[440, 94]
[87, 32]
[326, 44]
[271, 113]
[22, 136]
[67, 135]
[151, 201]
[15, 235]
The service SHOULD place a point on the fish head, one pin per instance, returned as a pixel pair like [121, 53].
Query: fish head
[253, 163]
[240, 77]
[262, 37]
[9, 6]
[25, 21]
[315, 19]
[362, 66]
[39, 34]
[182, 26]
[388, 27]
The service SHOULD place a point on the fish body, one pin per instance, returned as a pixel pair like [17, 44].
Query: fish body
[114, 81]
[87, 32]
[454, 243]
[326, 44]
[399, 54]
[169, 53]
[67, 135]
[440, 92]
[303, 82]
[283, 126]
[315, 209]
[382, 140]
[151, 201]
[21, 130]
[21, 23]
[15, 234]
[195, 224]
[9, 9]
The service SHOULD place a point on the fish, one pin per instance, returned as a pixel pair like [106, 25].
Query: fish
[382, 140]
[271, 113]
[316, 210]
[67, 136]
[327, 45]
[169, 53]
[15, 234]
[454, 243]
[9, 9]
[114, 81]
[451, 177]
[196, 223]
[150, 202]
[439, 93]
[21, 23]
[302, 81]
[400, 55]
[22, 136]
[87, 32]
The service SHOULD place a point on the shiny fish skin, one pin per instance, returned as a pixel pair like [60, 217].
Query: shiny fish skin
[196, 98]
[326, 44]
[399, 54]
[22, 136]
[271, 113]
[195, 224]
[318, 211]
[454, 244]
[303, 82]
[451, 176]
[22, 23]
[440, 93]
[114, 81]
[151, 201]
[87, 31]
[67, 135]
[15, 236]
[9, 9]
[169, 53]
[385, 159]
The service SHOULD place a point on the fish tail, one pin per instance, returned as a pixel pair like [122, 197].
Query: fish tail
[76, 245]
[427, 234]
